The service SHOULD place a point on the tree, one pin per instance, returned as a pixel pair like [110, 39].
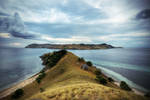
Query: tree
[18, 93]
[124, 86]
[89, 63]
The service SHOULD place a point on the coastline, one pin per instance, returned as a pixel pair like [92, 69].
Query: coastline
[25, 82]
[117, 82]
[138, 92]
[18, 85]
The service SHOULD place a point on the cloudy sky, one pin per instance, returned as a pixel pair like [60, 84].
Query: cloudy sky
[123, 23]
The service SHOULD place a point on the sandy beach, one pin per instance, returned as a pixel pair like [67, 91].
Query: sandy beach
[21, 84]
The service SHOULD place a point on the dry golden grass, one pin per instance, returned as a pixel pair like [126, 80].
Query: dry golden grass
[67, 81]
[85, 91]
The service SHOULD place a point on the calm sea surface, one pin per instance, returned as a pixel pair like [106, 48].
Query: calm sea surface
[130, 65]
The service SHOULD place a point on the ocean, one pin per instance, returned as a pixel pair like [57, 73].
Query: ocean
[123, 64]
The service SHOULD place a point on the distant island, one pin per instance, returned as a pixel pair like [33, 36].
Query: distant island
[72, 46]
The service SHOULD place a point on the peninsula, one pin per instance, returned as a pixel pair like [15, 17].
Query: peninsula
[69, 77]
[72, 46]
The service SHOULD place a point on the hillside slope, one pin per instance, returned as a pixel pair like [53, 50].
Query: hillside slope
[67, 81]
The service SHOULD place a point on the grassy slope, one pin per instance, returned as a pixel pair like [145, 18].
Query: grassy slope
[66, 81]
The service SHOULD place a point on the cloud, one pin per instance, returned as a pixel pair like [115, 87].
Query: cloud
[73, 39]
[3, 14]
[5, 35]
[52, 15]
[15, 44]
[15, 26]
[58, 17]
[74, 21]
[144, 14]
[123, 36]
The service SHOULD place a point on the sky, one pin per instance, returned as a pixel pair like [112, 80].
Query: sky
[124, 23]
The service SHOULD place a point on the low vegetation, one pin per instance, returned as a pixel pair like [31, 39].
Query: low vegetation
[17, 94]
[40, 77]
[147, 94]
[81, 59]
[89, 63]
[110, 79]
[101, 80]
[124, 86]
[51, 59]
[98, 72]
[41, 90]
[85, 91]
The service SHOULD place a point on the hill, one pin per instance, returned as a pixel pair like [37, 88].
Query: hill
[67, 81]
[71, 46]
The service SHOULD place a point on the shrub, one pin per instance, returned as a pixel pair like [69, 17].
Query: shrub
[41, 90]
[18, 93]
[124, 86]
[98, 72]
[40, 77]
[89, 63]
[51, 59]
[62, 70]
[101, 80]
[147, 94]
[38, 80]
[81, 59]
[110, 79]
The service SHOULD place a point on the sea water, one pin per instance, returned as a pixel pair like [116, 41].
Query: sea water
[123, 64]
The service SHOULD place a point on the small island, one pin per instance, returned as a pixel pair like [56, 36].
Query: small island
[72, 46]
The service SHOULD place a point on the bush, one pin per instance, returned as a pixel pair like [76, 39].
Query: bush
[98, 72]
[124, 86]
[81, 59]
[89, 63]
[62, 70]
[41, 90]
[40, 77]
[18, 93]
[51, 59]
[147, 94]
[101, 80]
[110, 79]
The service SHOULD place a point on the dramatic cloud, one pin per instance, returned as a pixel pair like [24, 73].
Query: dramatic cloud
[143, 14]
[14, 25]
[117, 22]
